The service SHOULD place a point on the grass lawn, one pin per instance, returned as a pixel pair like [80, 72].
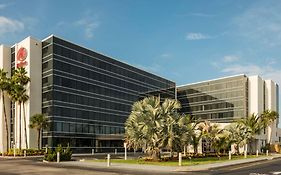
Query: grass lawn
[185, 162]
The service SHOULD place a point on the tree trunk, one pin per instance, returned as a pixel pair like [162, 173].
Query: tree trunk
[156, 155]
[38, 141]
[25, 132]
[20, 127]
[6, 121]
[195, 148]
[269, 132]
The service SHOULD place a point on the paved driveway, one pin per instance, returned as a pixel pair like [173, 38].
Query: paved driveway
[30, 167]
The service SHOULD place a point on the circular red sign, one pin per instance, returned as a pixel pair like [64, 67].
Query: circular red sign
[22, 54]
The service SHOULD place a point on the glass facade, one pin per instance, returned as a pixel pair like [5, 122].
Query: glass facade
[221, 100]
[88, 96]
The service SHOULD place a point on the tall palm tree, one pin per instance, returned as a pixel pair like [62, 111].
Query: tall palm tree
[15, 95]
[19, 80]
[23, 98]
[39, 122]
[266, 119]
[4, 86]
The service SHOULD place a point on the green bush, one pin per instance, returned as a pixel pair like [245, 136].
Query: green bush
[65, 154]
[20, 152]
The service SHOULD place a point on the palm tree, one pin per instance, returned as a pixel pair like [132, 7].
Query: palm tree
[147, 115]
[267, 118]
[39, 122]
[171, 129]
[19, 80]
[15, 95]
[251, 126]
[4, 86]
[23, 98]
[153, 126]
[237, 135]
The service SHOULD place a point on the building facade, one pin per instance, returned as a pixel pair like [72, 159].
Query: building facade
[86, 95]
[227, 99]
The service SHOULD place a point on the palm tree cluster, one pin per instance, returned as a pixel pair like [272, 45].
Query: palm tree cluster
[153, 126]
[15, 87]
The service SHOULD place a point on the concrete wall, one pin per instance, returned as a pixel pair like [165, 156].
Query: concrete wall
[271, 104]
[255, 95]
[34, 104]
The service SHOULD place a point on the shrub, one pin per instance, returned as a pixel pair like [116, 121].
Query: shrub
[65, 154]
[20, 152]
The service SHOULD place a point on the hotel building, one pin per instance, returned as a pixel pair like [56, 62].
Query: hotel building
[86, 95]
[230, 98]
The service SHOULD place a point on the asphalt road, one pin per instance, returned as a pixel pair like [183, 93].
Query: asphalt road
[34, 166]
[269, 167]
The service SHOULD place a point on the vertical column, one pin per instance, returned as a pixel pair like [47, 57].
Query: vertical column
[29, 55]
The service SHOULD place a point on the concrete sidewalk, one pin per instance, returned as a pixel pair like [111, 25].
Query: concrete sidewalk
[157, 168]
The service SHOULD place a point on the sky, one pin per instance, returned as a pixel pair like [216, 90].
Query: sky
[184, 41]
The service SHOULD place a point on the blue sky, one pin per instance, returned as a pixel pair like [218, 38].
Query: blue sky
[185, 41]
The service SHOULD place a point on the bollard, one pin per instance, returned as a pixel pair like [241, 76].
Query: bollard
[108, 160]
[245, 154]
[24, 153]
[245, 151]
[266, 152]
[115, 151]
[125, 151]
[93, 151]
[58, 157]
[257, 154]
[14, 150]
[229, 155]
[46, 149]
[180, 159]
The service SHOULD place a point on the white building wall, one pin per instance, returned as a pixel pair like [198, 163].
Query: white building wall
[271, 104]
[34, 89]
[255, 95]
[5, 63]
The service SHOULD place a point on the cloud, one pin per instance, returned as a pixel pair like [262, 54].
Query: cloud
[89, 26]
[266, 71]
[196, 36]
[154, 68]
[2, 6]
[8, 25]
[230, 58]
[249, 69]
[260, 23]
[165, 55]
[202, 14]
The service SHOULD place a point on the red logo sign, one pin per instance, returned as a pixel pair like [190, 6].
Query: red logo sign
[21, 56]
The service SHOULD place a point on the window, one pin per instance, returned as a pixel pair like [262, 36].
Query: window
[59, 126]
[66, 127]
[45, 65]
[45, 80]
